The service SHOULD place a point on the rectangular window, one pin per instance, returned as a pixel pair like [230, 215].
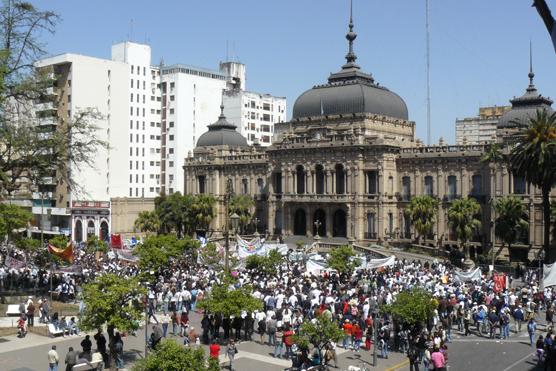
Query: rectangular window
[170, 150]
[429, 183]
[406, 188]
[372, 182]
[477, 184]
[201, 183]
[171, 137]
[519, 185]
[371, 227]
[171, 164]
[244, 186]
[452, 187]
[171, 124]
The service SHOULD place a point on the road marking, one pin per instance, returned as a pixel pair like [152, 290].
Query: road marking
[398, 366]
[257, 357]
[518, 362]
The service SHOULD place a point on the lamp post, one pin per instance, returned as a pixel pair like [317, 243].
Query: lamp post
[541, 259]
[375, 336]
[227, 197]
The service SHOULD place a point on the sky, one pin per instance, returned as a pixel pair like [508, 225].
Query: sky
[479, 48]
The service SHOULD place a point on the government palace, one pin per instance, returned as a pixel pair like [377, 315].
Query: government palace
[347, 165]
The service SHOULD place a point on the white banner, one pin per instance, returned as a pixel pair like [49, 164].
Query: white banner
[549, 275]
[377, 263]
[474, 275]
[281, 247]
[316, 267]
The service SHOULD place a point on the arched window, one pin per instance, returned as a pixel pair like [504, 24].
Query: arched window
[260, 185]
[390, 185]
[104, 231]
[300, 179]
[78, 231]
[340, 179]
[90, 228]
[319, 179]
[452, 187]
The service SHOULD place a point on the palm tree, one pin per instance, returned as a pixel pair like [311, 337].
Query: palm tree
[462, 217]
[147, 221]
[243, 206]
[203, 211]
[422, 211]
[494, 154]
[534, 158]
[511, 222]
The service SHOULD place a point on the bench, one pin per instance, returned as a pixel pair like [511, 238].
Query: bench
[93, 365]
[13, 310]
[52, 331]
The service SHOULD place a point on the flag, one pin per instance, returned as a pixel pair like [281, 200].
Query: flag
[66, 253]
[116, 241]
[499, 282]
[14, 263]
[548, 19]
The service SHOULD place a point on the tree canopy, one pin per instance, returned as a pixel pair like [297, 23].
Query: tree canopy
[343, 259]
[113, 301]
[412, 306]
[184, 214]
[148, 222]
[156, 251]
[511, 221]
[422, 211]
[172, 356]
[268, 264]
[243, 206]
[462, 218]
[12, 217]
[318, 333]
[534, 158]
[229, 298]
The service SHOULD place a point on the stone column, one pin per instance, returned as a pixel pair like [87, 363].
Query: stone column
[328, 182]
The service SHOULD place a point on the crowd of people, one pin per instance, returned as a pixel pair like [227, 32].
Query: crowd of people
[293, 295]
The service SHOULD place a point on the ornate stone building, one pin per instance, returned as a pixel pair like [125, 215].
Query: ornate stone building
[348, 163]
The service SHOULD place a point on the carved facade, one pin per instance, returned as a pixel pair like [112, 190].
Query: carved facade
[348, 164]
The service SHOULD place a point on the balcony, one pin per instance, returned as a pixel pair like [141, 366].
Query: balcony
[311, 197]
[45, 106]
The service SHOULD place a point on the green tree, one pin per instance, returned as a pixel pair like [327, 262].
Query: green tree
[59, 241]
[171, 211]
[156, 251]
[318, 333]
[343, 259]
[29, 152]
[95, 244]
[511, 221]
[148, 222]
[534, 158]
[462, 218]
[12, 218]
[202, 212]
[171, 356]
[113, 301]
[266, 264]
[228, 299]
[422, 212]
[242, 205]
[413, 307]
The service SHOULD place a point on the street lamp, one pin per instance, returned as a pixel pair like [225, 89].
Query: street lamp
[541, 259]
[375, 335]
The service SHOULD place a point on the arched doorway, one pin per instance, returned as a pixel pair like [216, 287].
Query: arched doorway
[339, 224]
[300, 179]
[319, 216]
[104, 231]
[78, 231]
[340, 179]
[300, 223]
[319, 180]
[90, 228]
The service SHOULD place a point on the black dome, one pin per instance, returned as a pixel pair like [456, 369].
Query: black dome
[525, 107]
[350, 96]
[222, 133]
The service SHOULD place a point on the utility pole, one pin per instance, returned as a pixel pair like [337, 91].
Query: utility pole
[227, 197]
[428, 72]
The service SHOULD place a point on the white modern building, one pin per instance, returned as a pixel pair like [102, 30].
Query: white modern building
[254, 114]
[480, 129]
[121, 90]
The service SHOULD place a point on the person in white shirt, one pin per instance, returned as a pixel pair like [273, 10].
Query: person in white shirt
[53, 359]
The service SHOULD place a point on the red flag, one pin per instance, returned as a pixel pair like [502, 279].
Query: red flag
[66, 254]
[116, 241]
[499, 282]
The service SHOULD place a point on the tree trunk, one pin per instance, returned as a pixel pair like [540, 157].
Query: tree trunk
[546, 216]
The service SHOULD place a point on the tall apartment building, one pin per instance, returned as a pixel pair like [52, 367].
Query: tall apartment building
[480, 129]
[121, 91]
[151, 119]
[254, 114]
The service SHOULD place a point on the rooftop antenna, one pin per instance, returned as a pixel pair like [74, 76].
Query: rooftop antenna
[428, 72]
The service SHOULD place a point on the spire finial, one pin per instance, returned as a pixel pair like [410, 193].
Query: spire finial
[351, 36]
[531, 73]
[222, 106]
